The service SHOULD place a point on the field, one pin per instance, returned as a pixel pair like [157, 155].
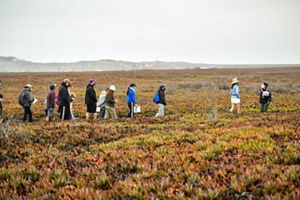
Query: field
[197, 151]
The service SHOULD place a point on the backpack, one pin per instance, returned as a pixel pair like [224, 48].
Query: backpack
[22, 99]
[156, 98]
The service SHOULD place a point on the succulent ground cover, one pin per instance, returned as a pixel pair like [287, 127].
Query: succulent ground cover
[197, 151]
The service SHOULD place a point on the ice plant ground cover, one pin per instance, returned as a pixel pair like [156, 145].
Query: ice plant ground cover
[197, 151]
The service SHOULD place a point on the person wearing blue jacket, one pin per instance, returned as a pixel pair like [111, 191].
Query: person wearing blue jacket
[235, 96]
[131, 100]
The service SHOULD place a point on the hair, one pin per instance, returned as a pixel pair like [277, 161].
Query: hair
[131, 85]
[52, 87]
[161, 88]
[232, 85]
[1, 96]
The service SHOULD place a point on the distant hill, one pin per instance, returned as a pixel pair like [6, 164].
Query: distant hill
[13, 64]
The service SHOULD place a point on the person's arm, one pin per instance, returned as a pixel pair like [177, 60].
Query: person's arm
[162, 98]
[93, 95]
[270, 98]
[237, 91]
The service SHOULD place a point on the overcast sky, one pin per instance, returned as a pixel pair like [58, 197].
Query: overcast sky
[202, 31]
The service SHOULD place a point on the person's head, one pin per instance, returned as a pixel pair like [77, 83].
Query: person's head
[1, 96]
[52, 86]
[132, 85]
[73, 95]
[28, 87]
[162, 88]
[112, 88]
[92, 82]
[234, 81]
[67, 82]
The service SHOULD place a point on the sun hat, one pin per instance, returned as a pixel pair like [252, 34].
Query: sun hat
[113, 88]
[235, 80]
[67, 81]
[28, 85]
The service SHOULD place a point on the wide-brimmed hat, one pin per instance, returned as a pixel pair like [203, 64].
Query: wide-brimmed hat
[235, 80]
[28, 85]
[67, 81]
[113, 88]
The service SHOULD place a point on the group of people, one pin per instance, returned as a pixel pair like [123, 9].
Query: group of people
[104, 106]
[264, 99]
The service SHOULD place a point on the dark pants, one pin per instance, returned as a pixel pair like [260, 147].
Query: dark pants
[264, 107]
[131, 110]
[65, 112]
[102, 112]
[27, 112]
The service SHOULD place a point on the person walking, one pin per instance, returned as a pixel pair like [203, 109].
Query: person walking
[110, 110]
[161, 101]
[235, 96]
[50, 103]
[265, 97]
[91, 99]
[26, 101]
[131, 100]
[101, 103]
[64, 100]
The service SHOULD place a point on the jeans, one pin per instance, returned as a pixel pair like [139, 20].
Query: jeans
[161, 110]
[264, 107]
[102, 112]
[27, 112]
[131, 110]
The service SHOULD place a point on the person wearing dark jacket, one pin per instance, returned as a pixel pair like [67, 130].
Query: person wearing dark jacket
[64, 100]
[131, 100]
[50, 103]
[110, 101]
[91, 99]
[27, 102]
[162, 101]
[265, 97]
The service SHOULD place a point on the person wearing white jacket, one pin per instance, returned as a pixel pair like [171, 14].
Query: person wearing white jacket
[101, 103]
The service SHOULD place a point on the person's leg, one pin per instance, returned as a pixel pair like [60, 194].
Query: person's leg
[113, 113]
[232, 107]
[261, 107]
[25, 114]
[238, 108]
[106, 112]
[160, 111]
[68, 115]
[95, 115]
[129, 112]
[162, 108]
[102, 112]
[87, 116]
[30, 114]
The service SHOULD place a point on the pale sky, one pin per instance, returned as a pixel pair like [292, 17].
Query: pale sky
[200, 31]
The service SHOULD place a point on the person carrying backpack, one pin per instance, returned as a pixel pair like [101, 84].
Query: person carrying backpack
[265, 97]
[235, 96]
[50, 103]
[160, 99]
[25, 100]
[64, 100]
[91, 99]
[101, 103]
[131, 100]
[110, 110]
